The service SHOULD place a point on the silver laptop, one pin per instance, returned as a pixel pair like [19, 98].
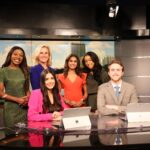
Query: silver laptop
[138, 112]
[77, 118]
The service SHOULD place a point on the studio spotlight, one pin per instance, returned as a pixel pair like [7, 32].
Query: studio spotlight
[113, 10]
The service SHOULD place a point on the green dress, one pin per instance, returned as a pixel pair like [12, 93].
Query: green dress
[13, 80]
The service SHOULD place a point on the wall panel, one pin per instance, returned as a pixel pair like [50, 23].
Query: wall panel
[135, 55]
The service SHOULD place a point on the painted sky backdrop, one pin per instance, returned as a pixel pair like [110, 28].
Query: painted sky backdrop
[59, 49]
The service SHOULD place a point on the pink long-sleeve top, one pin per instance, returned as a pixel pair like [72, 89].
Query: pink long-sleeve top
[35, 107]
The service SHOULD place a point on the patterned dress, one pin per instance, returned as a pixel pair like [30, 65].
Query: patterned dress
[13, 80]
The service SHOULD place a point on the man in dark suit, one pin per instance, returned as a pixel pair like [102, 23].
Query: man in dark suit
[114, 95]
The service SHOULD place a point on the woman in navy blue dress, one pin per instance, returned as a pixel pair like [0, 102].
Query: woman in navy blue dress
[43, 59]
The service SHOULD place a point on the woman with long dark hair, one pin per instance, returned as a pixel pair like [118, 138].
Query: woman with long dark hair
[46, 103]
[73, 81]
[96, 75]
[14, 86]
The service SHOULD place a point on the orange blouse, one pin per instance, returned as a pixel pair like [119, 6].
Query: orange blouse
[73, 90]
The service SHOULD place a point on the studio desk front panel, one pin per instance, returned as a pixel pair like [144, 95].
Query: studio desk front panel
[109, 132]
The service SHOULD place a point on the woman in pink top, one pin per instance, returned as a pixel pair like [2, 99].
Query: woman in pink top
[49, 139]
[46, 103]
[73, 81]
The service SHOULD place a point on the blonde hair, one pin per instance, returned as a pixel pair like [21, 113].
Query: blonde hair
[37, 52]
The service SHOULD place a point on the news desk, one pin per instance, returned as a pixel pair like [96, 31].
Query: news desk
[107, 132]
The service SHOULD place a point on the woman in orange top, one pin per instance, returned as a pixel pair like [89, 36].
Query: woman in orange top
[73, 81]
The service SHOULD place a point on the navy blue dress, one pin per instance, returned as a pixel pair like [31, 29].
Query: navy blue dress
[35, 73]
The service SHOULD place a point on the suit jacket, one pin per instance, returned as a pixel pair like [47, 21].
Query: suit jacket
[106, 96]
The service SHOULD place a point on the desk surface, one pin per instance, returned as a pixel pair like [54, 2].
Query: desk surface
[106, 132]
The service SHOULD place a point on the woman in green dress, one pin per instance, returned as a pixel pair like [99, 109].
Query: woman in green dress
[14, 86]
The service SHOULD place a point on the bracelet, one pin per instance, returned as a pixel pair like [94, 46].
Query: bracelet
[4, 96]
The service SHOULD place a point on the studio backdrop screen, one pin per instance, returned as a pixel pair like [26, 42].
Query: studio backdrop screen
[60, 50]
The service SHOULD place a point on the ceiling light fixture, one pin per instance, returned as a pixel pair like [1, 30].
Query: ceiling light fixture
[113, 8]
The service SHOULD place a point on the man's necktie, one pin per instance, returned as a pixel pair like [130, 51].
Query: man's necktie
[117, 90]
[118, 140]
